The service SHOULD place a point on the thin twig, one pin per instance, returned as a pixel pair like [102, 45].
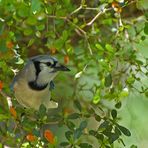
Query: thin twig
[76, 26]
[76, 10]
[7, 98]
[89, 8]
[99, 13]
[57, 17]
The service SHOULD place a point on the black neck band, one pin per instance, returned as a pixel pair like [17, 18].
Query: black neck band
[33, 85]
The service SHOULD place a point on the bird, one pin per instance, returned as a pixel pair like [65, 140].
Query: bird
[32, 85]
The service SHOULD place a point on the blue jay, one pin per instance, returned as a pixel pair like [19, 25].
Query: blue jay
[33, 83]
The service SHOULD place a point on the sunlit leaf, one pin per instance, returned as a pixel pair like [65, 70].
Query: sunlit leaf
[109, 47]
[35, 5]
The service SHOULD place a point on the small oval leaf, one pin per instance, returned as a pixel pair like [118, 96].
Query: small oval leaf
[124, 130]
[108, 80]
[114, 113]
[74, 116]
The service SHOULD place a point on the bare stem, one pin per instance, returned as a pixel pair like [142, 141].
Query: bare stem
[98, 14]
[76, 10]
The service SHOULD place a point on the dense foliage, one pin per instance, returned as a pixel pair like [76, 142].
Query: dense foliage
[98, 41]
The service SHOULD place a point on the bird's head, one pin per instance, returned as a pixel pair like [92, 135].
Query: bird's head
[46, 68]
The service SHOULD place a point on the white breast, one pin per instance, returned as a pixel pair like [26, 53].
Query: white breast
[30, 98]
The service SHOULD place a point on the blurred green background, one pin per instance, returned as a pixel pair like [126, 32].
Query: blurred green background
[134, 112]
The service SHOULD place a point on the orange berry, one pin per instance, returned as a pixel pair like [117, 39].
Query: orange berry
[9, 45]
[66, 59]
[49, 136]
[30, 137]
[115, 5]
[53, 50]
[13, 112]
[1, 85]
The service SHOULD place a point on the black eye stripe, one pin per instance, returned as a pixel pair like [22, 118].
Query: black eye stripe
[54, 64]
[48, 64]
[37, 67]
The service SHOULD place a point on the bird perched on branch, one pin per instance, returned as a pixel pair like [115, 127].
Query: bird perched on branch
[32, 84]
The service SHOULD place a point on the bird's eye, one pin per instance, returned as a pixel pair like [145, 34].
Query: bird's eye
[48, 64]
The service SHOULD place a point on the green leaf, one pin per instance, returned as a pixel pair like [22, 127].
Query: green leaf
[85, 145]
[133, 146]
[83, 125]
[117, 131]
[100, 137]
[124, 93]
[77, 133]
[124, 130]
[99, 47]
[146, 28]
[104, 125]
[70, 125]
[35, 5]
[113, 137]
[64, 144]
[3, 47]
[97, 117]
[114, 113]
[64, 35]
[146, 93]
[23, 10]
[31, 41]
[77, 105]
[74, 116]
[36, 132]
[40, 27]
[109, 48]
[130, 80]
[31, 20]
[108, 80]
[68, 135]
[3, 116]
[92, 132]
[118, 105]
[96, 98]
[42, 110]
[28, 31]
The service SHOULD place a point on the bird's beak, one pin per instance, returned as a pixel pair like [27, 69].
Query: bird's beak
[60, 67]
